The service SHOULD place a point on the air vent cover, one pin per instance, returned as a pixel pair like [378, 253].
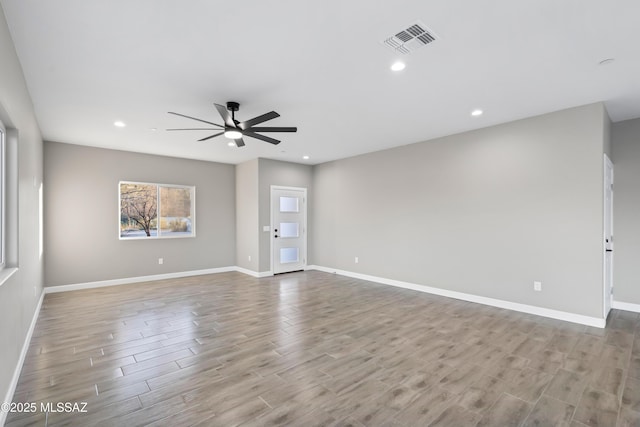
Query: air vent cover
[410, 38]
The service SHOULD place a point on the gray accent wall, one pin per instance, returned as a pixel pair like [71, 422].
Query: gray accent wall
[20, 293]
[486, 212]
[82, 215]
[626, 211]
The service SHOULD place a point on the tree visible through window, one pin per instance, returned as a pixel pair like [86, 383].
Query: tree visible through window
[156, 210]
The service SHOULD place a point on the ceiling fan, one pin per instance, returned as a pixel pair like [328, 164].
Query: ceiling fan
[235, 130]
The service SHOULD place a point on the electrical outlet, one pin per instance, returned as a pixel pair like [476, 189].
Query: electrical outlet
[249, 258]
[357, 260]
[160, 261]
[537, 286]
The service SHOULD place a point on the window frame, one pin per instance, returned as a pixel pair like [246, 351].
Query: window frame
[159, 186]
[3, 196]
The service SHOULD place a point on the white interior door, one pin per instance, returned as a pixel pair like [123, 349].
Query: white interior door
[288, 229]
[608, 234]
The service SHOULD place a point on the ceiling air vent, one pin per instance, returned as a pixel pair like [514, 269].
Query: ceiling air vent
[411, 38]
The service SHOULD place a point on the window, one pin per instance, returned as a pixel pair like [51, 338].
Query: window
[156, 210]
[3, 168]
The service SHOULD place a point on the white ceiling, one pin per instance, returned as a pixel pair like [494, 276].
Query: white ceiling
[320, 64]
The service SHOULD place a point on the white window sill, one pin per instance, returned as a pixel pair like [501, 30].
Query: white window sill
[6, 273]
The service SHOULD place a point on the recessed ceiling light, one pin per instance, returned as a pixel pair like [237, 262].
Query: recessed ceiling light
[606, 61]
[305, 157]
[153, 129]
[231, 144]
[398, 66]
[119, 124]
[476, 112]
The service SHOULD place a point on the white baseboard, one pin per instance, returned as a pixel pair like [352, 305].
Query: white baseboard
[626, 306]
[23, 354]
[139, 279]
[254, 273]
[524, 308]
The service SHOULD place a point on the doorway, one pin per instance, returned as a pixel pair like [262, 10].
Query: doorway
[608, 235]
[288, 229]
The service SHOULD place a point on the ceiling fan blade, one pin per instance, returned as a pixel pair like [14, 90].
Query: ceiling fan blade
[274, 129]
[261, 137]
[263, 118]
[224, 113]
[212, 136]
[195, 129]
[239, 142]
[193, 118]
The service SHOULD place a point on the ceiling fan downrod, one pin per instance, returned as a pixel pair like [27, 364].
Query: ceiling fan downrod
[233, 107]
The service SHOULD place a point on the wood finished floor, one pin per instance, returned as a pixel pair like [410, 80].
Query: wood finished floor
[311, 348]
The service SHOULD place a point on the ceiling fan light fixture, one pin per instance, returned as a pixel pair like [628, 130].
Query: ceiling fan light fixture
[398, 66]
[232, 134]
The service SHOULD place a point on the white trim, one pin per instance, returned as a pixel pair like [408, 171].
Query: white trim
[6, 273]
[23, 354]
[129, 280]
[524, 308]
[140, 279]
[606, 291]
[626, 306]
[3, 196]
[254, 273]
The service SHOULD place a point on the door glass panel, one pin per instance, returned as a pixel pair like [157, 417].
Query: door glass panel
[289, 204]
[289, 229]
[288, 255]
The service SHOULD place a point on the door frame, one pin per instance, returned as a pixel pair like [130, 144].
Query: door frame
[607, 290]
[272, 225]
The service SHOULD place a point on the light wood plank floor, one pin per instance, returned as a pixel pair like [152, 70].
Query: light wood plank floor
[312, 348]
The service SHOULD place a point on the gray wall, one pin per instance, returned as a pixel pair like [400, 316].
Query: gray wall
[253, 206]
[19, 294]
[485, 212]
[81, 215]
[626, 211]
[274, 172]
[247, 224]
